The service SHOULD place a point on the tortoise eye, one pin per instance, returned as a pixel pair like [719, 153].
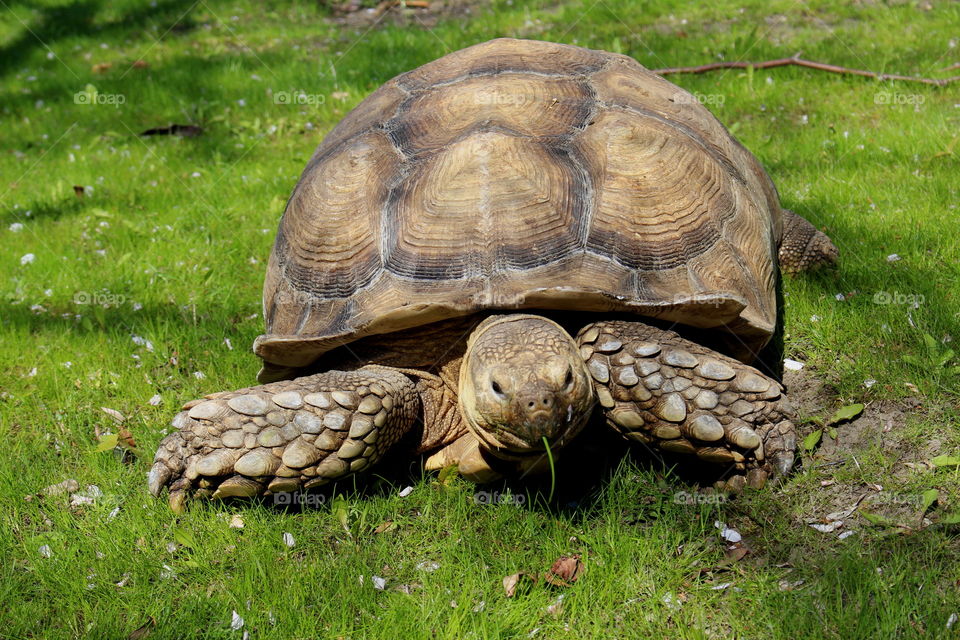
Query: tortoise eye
[497, 389]
[568, 380]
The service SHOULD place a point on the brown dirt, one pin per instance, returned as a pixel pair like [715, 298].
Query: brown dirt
[884, 429]
[436, 10]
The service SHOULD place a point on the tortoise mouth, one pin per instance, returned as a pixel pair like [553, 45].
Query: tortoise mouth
[504, 443]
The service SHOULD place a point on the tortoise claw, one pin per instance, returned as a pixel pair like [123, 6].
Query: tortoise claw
[157, 478]
[782, 463]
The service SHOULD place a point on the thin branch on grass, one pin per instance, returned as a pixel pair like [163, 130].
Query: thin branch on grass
[810, 64]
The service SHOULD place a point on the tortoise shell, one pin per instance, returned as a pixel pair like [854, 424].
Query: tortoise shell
[520, 174]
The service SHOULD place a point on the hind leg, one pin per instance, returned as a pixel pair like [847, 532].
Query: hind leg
[803, 247]
[675, 395]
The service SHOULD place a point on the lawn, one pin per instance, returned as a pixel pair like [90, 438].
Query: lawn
[131, 269]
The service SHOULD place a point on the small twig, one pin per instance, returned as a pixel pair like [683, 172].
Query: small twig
[810, 64]
[830, 464]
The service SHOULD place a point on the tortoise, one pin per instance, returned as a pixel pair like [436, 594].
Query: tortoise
[492, 251]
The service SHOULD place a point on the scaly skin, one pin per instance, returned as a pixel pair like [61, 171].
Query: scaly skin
[803, 247]
[675, 395]
[522, 379]
[284, 436]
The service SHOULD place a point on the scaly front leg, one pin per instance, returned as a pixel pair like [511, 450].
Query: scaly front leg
[285, 435]
[660, 389]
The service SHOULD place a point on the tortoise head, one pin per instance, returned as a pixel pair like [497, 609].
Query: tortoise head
[522, 379]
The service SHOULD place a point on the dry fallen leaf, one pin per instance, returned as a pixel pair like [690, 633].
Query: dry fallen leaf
[125, 438]
[183, 130]
[67, 486]
[383, 527]
[101, 67]
[564, 571]
[735, 552]
[144, 630]
[113, 413]
[511, 582]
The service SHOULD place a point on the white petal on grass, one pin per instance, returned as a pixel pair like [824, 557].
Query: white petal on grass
[845, 534]
[123, 580]
[16, 227]
[27, 258]
[952, 620]
[789, 585]
[143, 342]
[378, 583]
[199, 375]
[288, 539]
[45, 551]
[869, 382]
[827, 528]
[236, 622]
[893, 257]
[671, 601]
[236, 522]
[229, 344]
[721, 587]
[728, 534]
[428, 566]
[406, 491]
[78, 499]
[792, 365]
[167, 572]
[155, 400]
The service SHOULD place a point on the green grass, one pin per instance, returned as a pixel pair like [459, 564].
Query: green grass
[171, 243]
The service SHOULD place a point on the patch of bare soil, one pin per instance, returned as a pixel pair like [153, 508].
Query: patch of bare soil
[883, 429]
[413, 13]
